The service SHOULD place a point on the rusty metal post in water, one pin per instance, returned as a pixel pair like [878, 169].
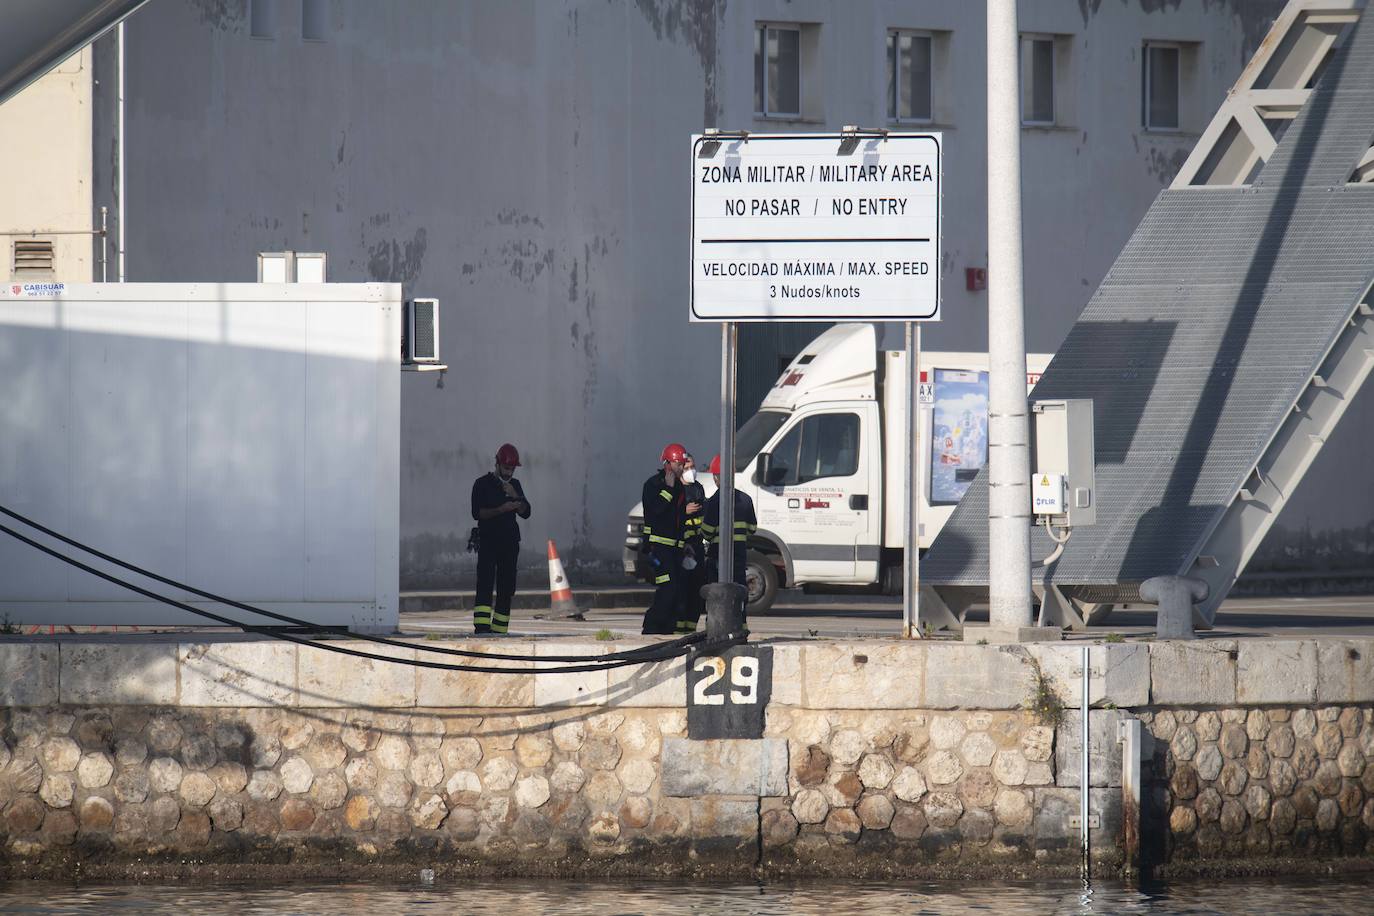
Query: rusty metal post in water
[1128, 731]
[1085, 701]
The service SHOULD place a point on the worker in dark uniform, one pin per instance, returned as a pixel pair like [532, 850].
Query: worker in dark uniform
[745, 524]
[665, 507]
[693, 551]
[497, 498]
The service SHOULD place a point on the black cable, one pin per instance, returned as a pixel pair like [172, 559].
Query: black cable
[687, 640]
[660, 654]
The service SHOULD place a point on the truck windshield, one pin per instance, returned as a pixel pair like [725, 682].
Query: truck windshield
[753, 434]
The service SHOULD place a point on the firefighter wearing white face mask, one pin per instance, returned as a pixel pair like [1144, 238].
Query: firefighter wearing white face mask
[693, 552]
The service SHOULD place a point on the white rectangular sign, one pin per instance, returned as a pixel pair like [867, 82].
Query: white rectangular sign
[816, 227]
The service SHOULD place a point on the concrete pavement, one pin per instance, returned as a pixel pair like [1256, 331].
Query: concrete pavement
[529, 599]
[872, 616]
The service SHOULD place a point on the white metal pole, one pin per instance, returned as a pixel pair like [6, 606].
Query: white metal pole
[911, 567]
[1009, 582]
[119, 117]
[910, 623]
[726, 551]
[914, 408]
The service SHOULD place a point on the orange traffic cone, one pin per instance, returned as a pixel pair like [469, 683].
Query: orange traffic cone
[561, 603]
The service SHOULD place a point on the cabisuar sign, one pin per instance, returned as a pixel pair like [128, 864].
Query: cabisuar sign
[816, 227]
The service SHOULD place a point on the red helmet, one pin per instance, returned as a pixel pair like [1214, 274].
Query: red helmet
[674, 452]
[508, 456]
[715, 465]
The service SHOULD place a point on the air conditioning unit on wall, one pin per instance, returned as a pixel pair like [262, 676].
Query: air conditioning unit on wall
[420, 331]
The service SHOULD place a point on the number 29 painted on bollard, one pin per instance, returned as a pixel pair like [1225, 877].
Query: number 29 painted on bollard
[744, 680]
[728, 693]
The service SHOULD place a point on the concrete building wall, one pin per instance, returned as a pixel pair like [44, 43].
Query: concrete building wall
[45, 161]
[524, 162]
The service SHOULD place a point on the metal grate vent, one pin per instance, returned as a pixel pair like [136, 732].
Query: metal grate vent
[421, 342]
[32, 257]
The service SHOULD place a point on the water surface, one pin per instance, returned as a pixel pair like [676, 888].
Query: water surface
[515, 898]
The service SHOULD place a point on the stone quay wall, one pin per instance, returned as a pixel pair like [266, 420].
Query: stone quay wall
[129, 757]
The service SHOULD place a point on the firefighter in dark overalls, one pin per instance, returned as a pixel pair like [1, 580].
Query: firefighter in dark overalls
[745, 524]
[693, 551]
[665, 508]
[497, 498]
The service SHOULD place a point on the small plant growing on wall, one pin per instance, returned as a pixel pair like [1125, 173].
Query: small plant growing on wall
[7, 626]
[1043, 702]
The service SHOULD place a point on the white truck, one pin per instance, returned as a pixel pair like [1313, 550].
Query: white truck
[823, 461]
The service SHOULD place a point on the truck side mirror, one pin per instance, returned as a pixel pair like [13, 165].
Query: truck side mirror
[768, 475]
[763, 466]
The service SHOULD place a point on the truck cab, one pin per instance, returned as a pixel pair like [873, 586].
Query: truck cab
[823, 460]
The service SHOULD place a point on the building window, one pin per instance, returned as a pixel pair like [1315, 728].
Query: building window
[909, 72]
[1160, 83]
[262, 18]
[1037, 79]
[314, 19]
[777, 71]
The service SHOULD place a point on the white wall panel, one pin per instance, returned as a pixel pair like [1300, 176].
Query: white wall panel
[242, 437]
[341, 427]
[34, 457]
[247, 437]
[127, 392]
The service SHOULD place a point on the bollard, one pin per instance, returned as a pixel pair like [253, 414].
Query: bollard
[1175, 596]
[724, 608]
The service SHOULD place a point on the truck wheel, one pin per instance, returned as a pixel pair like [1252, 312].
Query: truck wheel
[761, 583]
[891, 579]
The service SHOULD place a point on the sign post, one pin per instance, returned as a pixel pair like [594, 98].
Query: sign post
[817, 227]
[911, 568]
[726, 558]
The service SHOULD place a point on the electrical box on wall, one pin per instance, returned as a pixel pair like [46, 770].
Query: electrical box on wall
[1063, 472]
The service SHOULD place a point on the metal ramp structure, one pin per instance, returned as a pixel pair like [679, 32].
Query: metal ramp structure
[1225, 342]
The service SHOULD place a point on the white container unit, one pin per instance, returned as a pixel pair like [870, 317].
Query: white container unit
[239, 437]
